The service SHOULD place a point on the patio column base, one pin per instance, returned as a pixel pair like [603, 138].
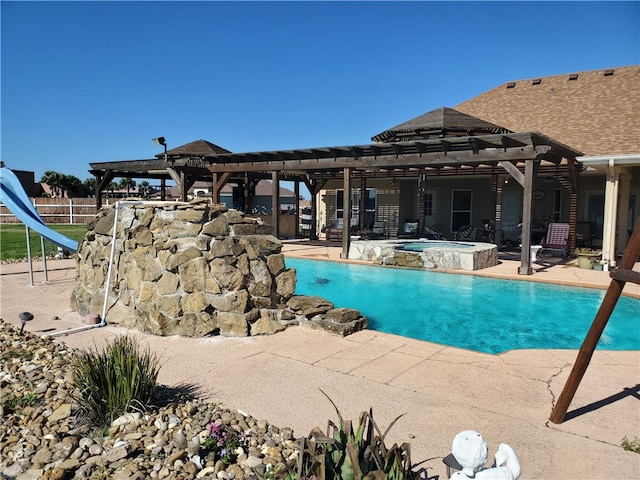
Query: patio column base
[525, 271]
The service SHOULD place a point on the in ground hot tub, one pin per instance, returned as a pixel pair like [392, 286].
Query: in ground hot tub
[425, 253]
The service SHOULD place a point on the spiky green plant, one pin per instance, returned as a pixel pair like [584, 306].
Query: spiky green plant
[348, 454]
[114, 380]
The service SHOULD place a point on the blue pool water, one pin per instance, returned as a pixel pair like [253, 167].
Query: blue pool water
[466, 311]
[421, 246]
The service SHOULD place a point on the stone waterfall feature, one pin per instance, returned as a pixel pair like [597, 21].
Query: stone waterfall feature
[194, 270]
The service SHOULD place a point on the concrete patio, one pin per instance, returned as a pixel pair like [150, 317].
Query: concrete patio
[440, 389]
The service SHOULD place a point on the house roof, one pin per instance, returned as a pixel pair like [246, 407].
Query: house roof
[596, 112]
[263, 188]
[442, 122]
[195, 148]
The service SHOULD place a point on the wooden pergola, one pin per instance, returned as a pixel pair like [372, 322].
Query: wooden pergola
[522, 155]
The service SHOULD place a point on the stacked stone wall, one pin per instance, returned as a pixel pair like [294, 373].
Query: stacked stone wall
[194, 270]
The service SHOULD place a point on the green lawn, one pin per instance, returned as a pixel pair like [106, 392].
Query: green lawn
[13, 240]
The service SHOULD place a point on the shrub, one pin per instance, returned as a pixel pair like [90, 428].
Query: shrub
[16, 402]
[115, 380]
[345, 454]
[224, 441]
[631, 445]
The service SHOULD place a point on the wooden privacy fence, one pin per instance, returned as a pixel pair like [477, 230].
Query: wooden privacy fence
[58, 210]
[81, 210]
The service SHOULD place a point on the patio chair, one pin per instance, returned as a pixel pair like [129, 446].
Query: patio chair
[379, 230]
[467, 233]
[431, 234]
[557, 238]
[409, 229]
[333, 231]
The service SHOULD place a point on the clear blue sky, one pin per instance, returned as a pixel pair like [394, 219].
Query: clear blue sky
[96, 81]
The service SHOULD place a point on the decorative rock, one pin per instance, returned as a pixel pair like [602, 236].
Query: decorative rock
[190, 270]
[60, 413]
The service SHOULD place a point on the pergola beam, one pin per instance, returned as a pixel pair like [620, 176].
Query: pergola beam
[457, 158]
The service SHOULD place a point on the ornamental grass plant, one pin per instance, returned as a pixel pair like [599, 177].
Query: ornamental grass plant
[115, 380]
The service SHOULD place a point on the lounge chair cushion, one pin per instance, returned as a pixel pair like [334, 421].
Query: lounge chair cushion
[410, 227]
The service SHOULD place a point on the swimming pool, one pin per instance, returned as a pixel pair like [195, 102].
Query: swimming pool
[466, 311]
[421, 246]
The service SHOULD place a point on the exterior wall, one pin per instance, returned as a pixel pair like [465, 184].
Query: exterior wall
[397, 202]
[592, 184]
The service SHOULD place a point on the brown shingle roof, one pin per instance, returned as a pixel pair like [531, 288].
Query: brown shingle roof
[263, 188]
[596, 112]
[197, 149]
[441, 122]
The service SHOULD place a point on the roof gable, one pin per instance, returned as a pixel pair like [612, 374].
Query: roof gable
[596, 112]
[442, 122]
[197, 148]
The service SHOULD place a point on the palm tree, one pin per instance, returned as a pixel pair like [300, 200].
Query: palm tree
[89, 187]
[113, 186]
[72, 185]
[55, 182]
[127, 183]
[144, 189]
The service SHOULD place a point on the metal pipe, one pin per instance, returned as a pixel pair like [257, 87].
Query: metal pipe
[103, 319]
[29, 257]
[44, 259]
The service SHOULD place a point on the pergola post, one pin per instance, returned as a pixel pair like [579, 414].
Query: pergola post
[362, 208]
[275, 211]
[215, 188]
[183, 187]
[498, 234]
[525, 253]
[296, 190]
[346, 213]
[247, 194]
[422, 185]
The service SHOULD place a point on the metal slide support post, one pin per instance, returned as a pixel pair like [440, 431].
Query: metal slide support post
[29, 257]
[44, 259]
[103, 320]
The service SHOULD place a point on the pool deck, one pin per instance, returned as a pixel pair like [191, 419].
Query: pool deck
[441, 390]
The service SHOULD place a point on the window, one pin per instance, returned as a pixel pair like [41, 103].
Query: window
[370, 205]
[428, 204]
[460, 209]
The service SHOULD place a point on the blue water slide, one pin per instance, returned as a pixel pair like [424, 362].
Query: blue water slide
[13, 196]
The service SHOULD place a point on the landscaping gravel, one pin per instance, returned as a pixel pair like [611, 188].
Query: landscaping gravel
[42, 437]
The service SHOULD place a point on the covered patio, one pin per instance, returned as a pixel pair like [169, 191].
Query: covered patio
[439, 144]
[523, 156]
